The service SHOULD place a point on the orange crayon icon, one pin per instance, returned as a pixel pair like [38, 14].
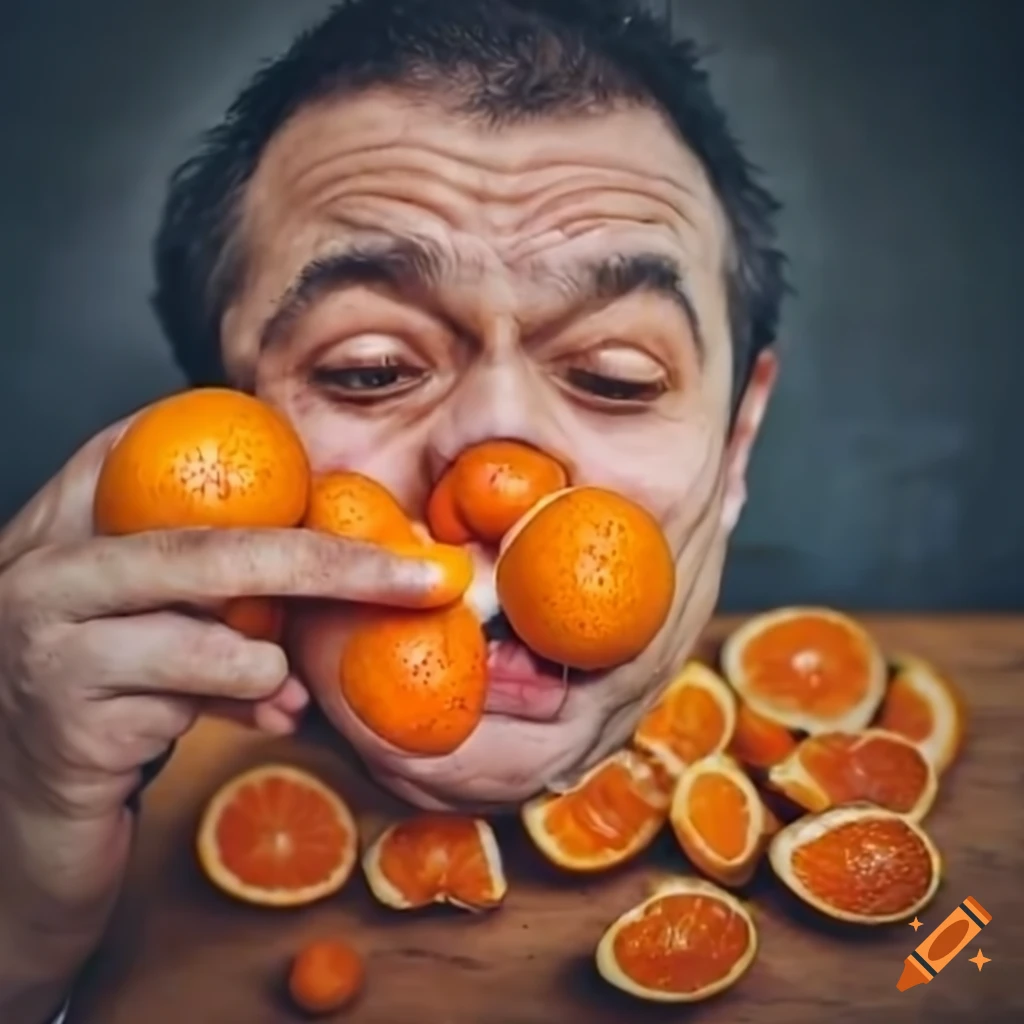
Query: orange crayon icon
[943, 944]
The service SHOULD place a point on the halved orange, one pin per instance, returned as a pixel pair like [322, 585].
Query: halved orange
[694, 717]
[810, 669]
[861, 864]
[720, 821]
[436, 858]
[874, 766]
[613, 813]
[924, 706]
[687, 942]
[757, 741]
[277, 836]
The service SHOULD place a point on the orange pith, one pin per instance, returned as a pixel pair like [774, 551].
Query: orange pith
[436, 858]
[613, 814]
[489, 488]
[688, 942]
[720, 813]
[586, 578]
[419, 678]
[205, 458]
[841, 768]
[277, 836]
[872, 868]
[693, 718]
[349, 504]
[325, 976]
[758, 741]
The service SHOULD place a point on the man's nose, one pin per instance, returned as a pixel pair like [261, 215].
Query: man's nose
[508, 399]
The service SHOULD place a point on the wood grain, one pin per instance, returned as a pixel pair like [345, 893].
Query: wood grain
[180, 952]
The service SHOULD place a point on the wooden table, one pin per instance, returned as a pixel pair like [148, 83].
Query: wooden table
[179, 952]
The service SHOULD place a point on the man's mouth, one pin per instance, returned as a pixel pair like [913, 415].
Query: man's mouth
[521, 684]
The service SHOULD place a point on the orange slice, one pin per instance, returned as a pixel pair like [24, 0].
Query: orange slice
[811, 669]
[694, 717]
[687, 942]
[757, 741]
[720, 821]
[277, 836]
[436, 858]
[860, 864]
[613, 813]
[924, 706]
[874, 766]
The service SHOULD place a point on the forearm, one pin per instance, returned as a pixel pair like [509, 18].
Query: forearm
[36, 972]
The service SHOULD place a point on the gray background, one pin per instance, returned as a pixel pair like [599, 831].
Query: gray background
[891, 471]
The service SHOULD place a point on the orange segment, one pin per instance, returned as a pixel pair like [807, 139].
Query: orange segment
[859, 864]
[348, 504]
[418, 679]
[694, 717]
[874, 765]
[719, 819]
[277, 836]
[757, 741]
[924, 706]
[687, 942]
[436, 858]
[205, 458]
[586, 578]
[325, 976]
[810, 669]
[613, 813]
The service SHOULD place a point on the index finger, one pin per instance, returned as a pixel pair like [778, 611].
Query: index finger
[121, 575]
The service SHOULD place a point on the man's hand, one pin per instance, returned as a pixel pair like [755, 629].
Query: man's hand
[109, 649]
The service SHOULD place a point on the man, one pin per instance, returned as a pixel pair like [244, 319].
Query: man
[432, 222]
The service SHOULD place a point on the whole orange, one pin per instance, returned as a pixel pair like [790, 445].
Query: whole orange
[349, 504]
[489, 488]
[586, 579]
[418, 679]
[325, 976]
[210, 457]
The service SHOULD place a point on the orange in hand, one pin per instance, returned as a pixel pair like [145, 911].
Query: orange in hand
[436, 858]
[687, 942]
[207, 458]
[325, 976]
[348, 504]
[586, 578]
[488, 488]
[418, 679]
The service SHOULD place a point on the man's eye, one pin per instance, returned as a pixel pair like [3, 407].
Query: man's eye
[388, 378]
[615, 389]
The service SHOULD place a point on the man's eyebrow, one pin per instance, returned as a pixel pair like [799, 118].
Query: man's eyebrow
[621, 275]
[403, 264]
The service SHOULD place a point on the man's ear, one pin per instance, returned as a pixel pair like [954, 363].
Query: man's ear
[745, 428]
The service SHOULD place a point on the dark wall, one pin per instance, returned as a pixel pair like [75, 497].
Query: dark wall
[891, 472]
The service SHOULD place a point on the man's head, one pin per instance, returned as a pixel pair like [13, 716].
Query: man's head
[434, 222]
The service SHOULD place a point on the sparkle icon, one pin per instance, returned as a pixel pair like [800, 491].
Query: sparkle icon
[981, 960]
[915, 924]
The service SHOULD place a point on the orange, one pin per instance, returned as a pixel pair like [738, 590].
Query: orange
[720, 820]
[687, 942]
[325, 976]
[924, 706]
[348, 504]
[757, 741]
[436, 858]
[811, 669]
[207, 458]
[443, 516]
[586, 578]
[418, 679]
[613, 813]
[692, 718]
[210, 457]
[873, 765]
[277, 836]
[860, 864]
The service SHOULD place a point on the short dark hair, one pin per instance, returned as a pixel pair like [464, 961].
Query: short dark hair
[505, 61]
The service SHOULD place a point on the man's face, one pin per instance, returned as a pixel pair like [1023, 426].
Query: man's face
[418, 283]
